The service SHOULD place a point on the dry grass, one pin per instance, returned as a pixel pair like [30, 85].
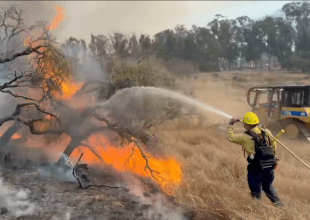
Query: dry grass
[214, 179]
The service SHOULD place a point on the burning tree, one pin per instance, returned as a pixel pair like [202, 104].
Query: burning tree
[50, 102]
[19, 83]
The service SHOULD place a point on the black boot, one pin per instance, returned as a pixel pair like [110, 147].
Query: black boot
[278, 204]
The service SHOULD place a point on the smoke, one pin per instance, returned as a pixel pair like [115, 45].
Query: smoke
[105, 17]
[34, 11]
[158, 204]
[87, 67]
[62, 172]
[160, 208]
[16, 200]
[7, 104]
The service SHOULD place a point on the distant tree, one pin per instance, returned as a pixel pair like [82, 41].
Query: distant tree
[223, 31]
[208, 49]
[121, 45]
[165, 44]
[239, 26]
[181, 31]
[254, 39]
[285, 40]
[134, 46]
[298, 14]
[268, 28]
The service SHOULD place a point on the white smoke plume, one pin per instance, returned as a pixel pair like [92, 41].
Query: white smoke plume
[16, 200]
[62, 173]
[161, 210]
[87, 67]
[158, 205]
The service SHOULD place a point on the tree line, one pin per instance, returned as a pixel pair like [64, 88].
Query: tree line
[222, 43]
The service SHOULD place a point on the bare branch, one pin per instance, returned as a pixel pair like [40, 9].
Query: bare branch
[147, 166]
[93, 151]
[130, 156]
[18, 108]
[30, 123]
[5, 85]
[25, 52]
[6, 119]
[18, 96]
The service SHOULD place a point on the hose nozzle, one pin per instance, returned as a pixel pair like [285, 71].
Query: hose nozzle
[280, 134]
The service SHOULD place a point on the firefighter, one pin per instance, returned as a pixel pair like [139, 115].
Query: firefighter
[260, 149]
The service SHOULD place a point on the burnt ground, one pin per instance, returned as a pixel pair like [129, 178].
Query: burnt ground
[57, 199]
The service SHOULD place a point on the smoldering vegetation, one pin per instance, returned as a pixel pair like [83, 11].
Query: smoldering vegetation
[53, 117]
[15, 201]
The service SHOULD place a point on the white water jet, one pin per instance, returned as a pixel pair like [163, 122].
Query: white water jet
[159, 92]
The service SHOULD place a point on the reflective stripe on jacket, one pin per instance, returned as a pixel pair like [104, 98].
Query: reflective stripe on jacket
[246, 141]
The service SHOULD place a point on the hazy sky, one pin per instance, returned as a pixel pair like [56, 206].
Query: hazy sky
[142, 17]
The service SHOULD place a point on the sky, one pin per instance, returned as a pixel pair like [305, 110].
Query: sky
[83, 18]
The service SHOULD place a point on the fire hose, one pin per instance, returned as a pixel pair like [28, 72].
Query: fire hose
[286, 148]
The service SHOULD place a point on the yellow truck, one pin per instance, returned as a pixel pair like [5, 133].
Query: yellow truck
[284, 106]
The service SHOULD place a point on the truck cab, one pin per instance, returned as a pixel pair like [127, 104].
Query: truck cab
[288, 105]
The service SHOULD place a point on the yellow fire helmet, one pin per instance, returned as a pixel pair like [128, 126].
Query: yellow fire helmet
[250, 118]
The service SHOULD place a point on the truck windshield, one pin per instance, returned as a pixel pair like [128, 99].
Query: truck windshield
[295, 98]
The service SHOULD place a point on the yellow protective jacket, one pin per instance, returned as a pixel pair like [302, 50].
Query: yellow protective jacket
[246, 141]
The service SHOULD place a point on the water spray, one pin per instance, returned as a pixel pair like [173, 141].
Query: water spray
[173, 95]
[192, 102]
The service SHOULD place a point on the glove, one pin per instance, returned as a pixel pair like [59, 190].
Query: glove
[234, 120]
[250, 158]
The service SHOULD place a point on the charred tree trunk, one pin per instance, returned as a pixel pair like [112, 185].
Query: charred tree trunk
[74, 143]
[6, 137]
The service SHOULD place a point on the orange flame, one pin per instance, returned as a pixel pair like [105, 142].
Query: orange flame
[68, 89]
[167, 172]
[54, 24]
[16, 136]
[57, 19]
[28, 42]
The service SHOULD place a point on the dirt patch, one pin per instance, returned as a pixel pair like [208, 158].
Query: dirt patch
[54, 199]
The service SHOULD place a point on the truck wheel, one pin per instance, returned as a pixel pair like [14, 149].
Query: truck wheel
[292, 131]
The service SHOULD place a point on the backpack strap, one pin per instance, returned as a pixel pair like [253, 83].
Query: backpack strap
[258, 138]
[250, 134]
